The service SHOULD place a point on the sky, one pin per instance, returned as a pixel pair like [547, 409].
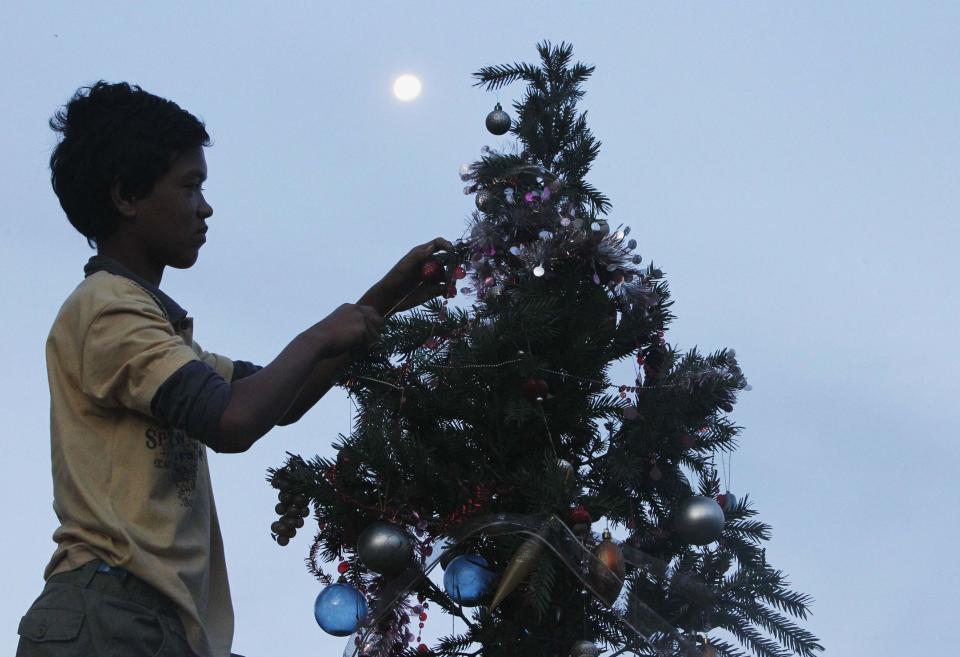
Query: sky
[792, 167]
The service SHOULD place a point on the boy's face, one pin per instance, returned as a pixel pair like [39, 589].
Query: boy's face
[170, 222]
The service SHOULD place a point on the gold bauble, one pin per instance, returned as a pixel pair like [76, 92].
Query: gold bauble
[608, 569]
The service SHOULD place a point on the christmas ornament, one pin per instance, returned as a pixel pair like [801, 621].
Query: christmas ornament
[699, 520]
[727, 501]
[467, 578]
[384, 548]
[431, 272]
[373, 644]
[580, 521]
[517, 570]
[339, 609]
[600, 227]
[566, 468]
[535, 389]
[498, 121]
[608, 570]
[584, 649]
[484, 200]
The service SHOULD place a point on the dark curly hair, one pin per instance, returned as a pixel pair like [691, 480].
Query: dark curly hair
[115, 134]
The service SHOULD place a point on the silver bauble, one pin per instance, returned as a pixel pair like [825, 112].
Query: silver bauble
[484, 200]
[384, 548]
[498, 121]
[584, 649]
[699, 520]
[566, 468]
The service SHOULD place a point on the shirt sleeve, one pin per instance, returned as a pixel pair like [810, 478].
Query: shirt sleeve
[193, 399]
[129, 351]
[243, 368]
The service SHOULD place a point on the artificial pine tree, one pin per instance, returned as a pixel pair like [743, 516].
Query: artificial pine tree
[489, 438]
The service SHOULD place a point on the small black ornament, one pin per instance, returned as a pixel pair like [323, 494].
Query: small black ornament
[498, 121]
[484, 200]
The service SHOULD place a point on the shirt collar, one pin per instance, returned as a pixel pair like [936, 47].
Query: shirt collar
[102, 263]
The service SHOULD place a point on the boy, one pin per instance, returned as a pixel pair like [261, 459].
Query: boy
[139, 567]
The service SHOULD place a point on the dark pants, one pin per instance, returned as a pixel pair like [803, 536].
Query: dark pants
[90, 613]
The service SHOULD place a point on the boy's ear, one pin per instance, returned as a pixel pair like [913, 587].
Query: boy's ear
[126, 206]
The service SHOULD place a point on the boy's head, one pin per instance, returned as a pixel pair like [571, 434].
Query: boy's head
[117, 142]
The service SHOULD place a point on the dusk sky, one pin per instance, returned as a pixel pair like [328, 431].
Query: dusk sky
[794, 168]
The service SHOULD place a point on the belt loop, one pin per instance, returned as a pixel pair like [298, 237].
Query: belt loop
[88, 572]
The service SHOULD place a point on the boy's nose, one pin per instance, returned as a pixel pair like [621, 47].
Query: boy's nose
[205, 210]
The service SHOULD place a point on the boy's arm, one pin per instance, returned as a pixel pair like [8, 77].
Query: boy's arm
[399, 290]
[259, 401]
[324, 373]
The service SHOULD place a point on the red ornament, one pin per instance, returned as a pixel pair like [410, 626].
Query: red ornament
[422, 648]
[343, 567]
[431, 272]
[535, 389]
[580, 516]
[459, 272]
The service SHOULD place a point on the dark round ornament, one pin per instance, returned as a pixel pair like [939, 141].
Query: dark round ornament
[484, 200]
[384, 548]
[467, 579]
[584, 649]
[535, 389]
[699, 520]
[282, 541]
[498, 121]
[339, 609]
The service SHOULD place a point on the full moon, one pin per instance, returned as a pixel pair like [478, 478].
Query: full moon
[406, 87]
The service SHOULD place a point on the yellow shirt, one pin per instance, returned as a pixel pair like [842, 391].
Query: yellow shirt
[126, 489]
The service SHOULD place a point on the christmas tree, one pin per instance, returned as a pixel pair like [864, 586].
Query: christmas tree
[491, 441]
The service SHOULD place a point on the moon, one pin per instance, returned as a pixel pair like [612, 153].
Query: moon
[406, 87]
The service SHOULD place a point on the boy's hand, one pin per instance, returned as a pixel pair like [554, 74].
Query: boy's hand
[401, 288]
[347, 327]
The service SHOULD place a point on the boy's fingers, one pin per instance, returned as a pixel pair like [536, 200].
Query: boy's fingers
[434, 245]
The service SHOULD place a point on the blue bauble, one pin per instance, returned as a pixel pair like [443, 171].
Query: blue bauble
[340, 609]
[467, 578]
